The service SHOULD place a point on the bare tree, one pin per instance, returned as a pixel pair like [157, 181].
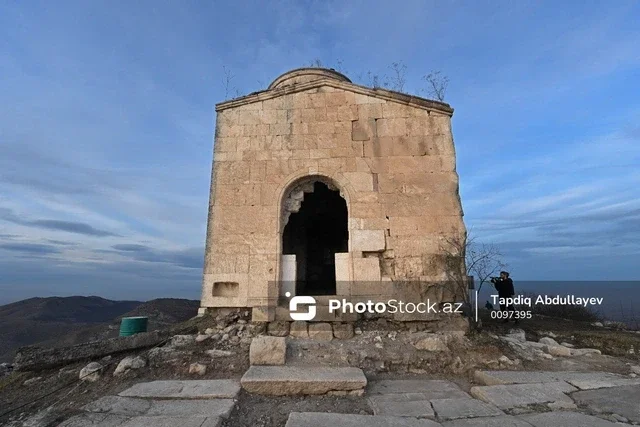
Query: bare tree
[437, 84]
[373, 80]
[483, 261]
[316, 63]
[465, 258]
[226, 81]
[399, 77]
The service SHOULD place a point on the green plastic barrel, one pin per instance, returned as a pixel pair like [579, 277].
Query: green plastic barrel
[133, 325]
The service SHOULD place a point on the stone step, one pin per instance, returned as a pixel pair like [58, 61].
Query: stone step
[193, 389]
[302, 380]
[323, 419]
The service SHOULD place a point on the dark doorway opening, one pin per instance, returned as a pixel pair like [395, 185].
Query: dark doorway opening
[314, 234]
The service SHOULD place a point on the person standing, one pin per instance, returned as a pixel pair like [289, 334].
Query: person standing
[504, 286]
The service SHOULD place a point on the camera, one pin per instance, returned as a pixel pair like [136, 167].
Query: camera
[495, 279]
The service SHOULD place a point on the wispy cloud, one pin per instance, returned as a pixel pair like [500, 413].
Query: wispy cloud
[29, 248]
[54, 224]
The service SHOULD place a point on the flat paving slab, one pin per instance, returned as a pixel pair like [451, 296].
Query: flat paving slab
[296, 380]
[401, 405]
[129, 406]
[595, 383]
[322, 419]
[95, 420]
[195, 389]
[623, 401]
[565, 419]
[453, 409]
[511, 396]
[429, 389]
[208, 408]
[502, 421]
[119, 405]
[528, 377]
[173, 422]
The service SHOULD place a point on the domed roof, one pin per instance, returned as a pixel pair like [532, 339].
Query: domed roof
[305, 75]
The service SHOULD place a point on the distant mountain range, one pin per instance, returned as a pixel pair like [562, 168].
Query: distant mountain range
[59, 321]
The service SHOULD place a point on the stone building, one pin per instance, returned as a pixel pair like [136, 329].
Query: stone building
[323, 187]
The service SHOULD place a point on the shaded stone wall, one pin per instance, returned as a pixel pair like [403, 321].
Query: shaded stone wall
[391, 156]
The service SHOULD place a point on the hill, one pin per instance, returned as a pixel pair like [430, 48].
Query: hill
[58, 321]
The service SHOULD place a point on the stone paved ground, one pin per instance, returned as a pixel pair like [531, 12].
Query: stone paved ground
[508, 398]
[203, 403]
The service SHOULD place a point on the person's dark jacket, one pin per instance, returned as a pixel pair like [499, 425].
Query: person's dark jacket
[505, 288]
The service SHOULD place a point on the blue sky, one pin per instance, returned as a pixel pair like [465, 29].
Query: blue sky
[107, 117]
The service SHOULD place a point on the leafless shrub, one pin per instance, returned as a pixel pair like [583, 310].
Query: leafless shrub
[399, 76]
[483, 260]
[464, 258]
[437, 85]
[373, 80]
[227, 83]
[227, 78]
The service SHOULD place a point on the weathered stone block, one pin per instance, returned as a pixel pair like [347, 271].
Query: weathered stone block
[418, 389]
[368, 240]
[366, 270]
[292, 381]
[401, 405]
[320, 331]
[278, 328]
[343, 272]
[299, 329]
[194, 389]
[343, 331]
[267, 350]
[563, 418]
[365, 99]
[511, 396]
[452, 409]
[308, 419]
[391, 127]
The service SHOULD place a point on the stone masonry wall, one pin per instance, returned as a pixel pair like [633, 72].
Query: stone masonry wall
[394, 163]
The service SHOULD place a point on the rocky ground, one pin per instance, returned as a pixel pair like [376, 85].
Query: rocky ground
[383, 349]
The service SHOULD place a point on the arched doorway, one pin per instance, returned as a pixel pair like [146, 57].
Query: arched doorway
[316, 228]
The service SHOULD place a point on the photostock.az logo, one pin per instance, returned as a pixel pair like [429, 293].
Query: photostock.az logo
[301, 300]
